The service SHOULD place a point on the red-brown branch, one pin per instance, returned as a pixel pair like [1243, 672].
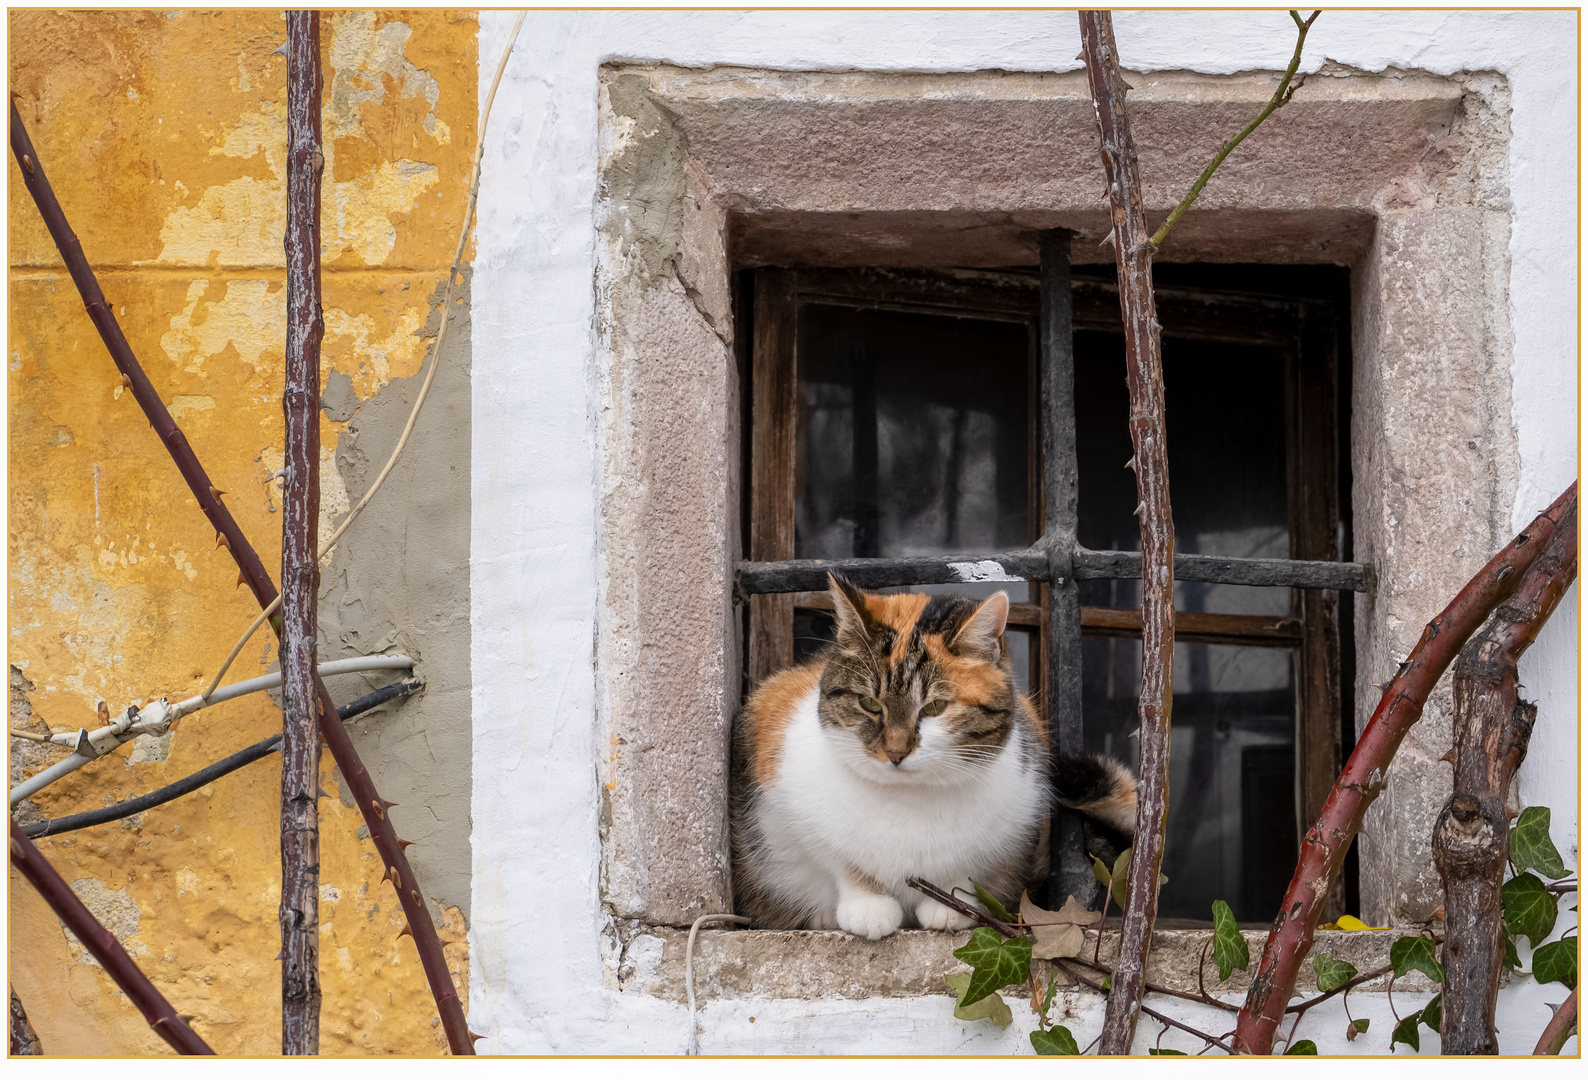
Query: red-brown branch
[1144, 376]
[1472, 838]
[166, 1021]
[1324, 848]
[332, 730]
[300, 541]
[1559, 1028]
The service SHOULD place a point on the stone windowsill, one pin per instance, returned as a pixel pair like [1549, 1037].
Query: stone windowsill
[817, 964]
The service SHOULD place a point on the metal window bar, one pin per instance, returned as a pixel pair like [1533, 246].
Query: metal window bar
[1057, 559]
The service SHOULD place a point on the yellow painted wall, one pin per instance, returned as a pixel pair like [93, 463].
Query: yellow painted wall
[164, 136]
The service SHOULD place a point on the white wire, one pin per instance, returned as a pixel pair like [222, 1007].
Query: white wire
[692, 1048]
[175, 712]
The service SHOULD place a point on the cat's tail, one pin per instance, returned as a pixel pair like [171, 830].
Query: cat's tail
[1099, 787]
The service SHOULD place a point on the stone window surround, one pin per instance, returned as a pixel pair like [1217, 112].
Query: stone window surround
[1400, 175]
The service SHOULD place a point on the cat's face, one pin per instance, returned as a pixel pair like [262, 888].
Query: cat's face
[918, 689]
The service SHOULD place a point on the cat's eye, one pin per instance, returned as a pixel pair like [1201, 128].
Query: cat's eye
[933, 708]
[871, 705]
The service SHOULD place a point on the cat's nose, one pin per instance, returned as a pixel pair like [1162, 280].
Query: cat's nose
[897, 756]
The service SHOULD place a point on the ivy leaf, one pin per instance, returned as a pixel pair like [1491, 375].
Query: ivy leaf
[1047, 999]
[1512, 960]
[1229, 948]
[1434, 1014]
[1532, 847]
[1530, 909]
[990, 902]
[1406, 1032]
[1304, 1047]
[1415, 954]
[1155, 1052]
[1057, 934]
[1357, 1027]
[991, 1007]
[1332, 973]
[1557, 962]
[995, 962]
[1120, 878]
[1059, 1041]
[1101, 872]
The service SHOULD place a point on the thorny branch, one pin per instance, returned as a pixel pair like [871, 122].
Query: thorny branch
[166, 1021]
[1144, 377]
[371, 805]
[1559, 1028]
[1324, 848]
[1211, 1040]
[1281, 98]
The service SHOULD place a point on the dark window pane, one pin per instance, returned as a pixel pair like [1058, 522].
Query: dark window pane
[912, 434]
[1224, 408]
[1232, 823]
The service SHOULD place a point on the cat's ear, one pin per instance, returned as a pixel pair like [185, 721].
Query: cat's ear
[849, 609]
[979, 634]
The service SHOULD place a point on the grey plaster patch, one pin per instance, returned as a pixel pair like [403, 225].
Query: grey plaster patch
[644, 181]
[337, 399]
[399, 583]
[146, 748]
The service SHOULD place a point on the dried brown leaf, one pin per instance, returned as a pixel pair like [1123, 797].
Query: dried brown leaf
[1057, 934]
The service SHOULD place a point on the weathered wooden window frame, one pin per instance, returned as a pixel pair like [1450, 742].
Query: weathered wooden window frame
[773, 583]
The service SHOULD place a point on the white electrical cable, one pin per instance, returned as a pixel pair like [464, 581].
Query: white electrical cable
[157, 717]
[692, 1048]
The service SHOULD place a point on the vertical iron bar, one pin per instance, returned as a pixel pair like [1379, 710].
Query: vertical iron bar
[300, 564]
[1068, 871]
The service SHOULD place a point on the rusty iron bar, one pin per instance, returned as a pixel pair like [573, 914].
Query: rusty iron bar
[1144, 377]
[167, 1023]
[300, 539]
[374, 809]
[1324, 848]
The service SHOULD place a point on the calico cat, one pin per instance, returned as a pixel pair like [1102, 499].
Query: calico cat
[904, 750]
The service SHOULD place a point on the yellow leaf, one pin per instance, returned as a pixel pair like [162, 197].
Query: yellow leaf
[1350, 922]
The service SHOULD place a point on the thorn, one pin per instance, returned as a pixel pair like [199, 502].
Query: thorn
[406, 931]
[1141, 508]
[323, 794]
[221, 541]
[186, 1018]
[380, 812]
[419, 901]
[473, 1038]
[126, 380]
[384, 876]
[104, 713]
[406, 844]
[1449, 756]
[395, 878]
[278, 956]
[27, 163]
[282, 49]
[1131, 464]
[392, 805]
[240, 580]
[216, 493]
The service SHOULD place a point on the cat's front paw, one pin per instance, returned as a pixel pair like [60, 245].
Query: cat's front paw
[935, 916]
[870, 916]
[826, 919]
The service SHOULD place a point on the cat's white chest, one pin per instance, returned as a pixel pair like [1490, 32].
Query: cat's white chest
[821, 807]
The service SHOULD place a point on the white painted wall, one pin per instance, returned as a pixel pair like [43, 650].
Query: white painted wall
[537, 939]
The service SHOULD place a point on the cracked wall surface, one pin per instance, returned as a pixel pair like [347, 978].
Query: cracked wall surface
[164, 136]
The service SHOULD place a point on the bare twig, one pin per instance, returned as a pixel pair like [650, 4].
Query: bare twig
[1472, 837]
[1324, 847]
[300, 569]
[1559, 1028]
[166, 1021]
[1281, 98]
[1345, 987]
[1144, 376]
[1153, 988]
[373, 808]
[1211, 1040]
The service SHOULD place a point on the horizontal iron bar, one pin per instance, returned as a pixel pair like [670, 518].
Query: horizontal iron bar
[1295, 573]
[810, 575]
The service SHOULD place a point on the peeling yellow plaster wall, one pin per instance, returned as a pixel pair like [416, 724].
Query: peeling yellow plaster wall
[164, 136]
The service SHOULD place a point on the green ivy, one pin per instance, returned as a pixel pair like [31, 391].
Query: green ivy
[1530, 908]
[1416, 954]
[1332, 973]
[1229, 947]
[994, 961]
[1058, 1041]
[1305, 1048]
[1532, 847]
[990, 1007]
[990, 902]
[1557, 962]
